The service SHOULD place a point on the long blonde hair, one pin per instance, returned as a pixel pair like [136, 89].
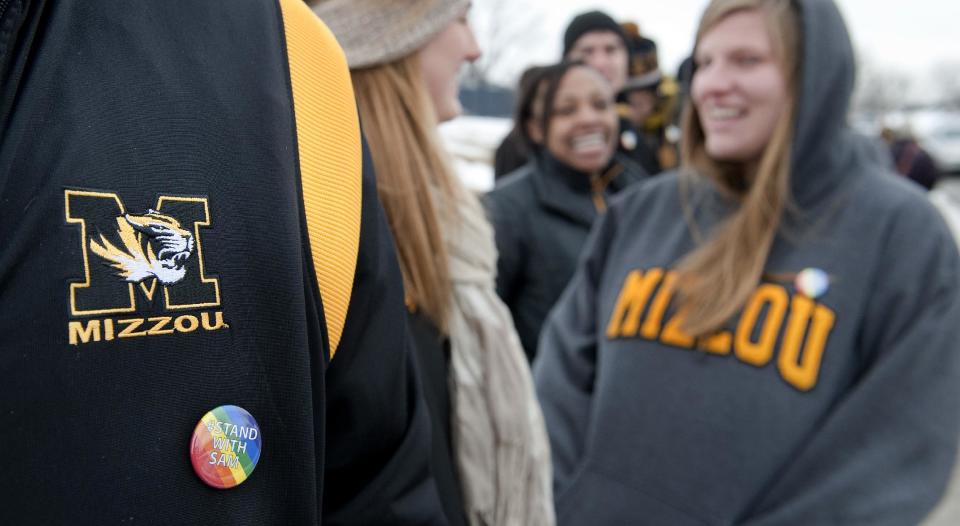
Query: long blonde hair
[718, 277]
[413, 177]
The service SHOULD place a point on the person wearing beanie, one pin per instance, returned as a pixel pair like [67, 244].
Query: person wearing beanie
[644, 55]
[641, 99]
[491, 456]
[651, 101]
[597, 40]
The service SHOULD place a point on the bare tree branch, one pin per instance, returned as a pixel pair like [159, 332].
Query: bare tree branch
[879, 91]
[504, 29]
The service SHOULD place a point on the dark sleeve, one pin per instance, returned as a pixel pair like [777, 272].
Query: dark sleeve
[883, 455]
[506, 218]
[378, 436]
[19, 27]
[432, 354]
[565, 366]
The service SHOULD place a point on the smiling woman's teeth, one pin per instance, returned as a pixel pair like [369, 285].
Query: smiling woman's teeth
[592, 140]
[724, 113]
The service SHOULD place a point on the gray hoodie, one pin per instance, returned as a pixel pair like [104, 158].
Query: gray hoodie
[824, 401]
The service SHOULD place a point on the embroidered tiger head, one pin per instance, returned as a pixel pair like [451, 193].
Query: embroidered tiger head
[154, 246]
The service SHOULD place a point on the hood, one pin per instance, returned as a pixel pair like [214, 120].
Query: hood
[827, 154]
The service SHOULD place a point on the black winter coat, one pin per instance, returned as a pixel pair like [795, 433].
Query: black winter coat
[541, 214]
[432, 352]
[633, 146]
[179, 120]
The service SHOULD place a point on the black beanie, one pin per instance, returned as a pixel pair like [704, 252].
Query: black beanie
[589, 22]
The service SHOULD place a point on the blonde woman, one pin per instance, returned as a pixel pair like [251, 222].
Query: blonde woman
[770, 337]
[491, 455]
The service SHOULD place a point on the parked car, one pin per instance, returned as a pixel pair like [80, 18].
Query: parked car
[943, 143]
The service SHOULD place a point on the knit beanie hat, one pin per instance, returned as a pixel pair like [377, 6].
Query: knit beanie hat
[374, 32]
[647, 81]
[587, 23]
[644, 70]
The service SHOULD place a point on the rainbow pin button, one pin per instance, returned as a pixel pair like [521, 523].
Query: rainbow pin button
[225, 447]
[812, 282]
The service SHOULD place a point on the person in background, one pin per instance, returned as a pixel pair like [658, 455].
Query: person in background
[911, 160]
[767, 336]
[597, 40]
[651, 99]
[641, 96]
[187, 202]
[491, 455]
[542, 212]
[513, 151]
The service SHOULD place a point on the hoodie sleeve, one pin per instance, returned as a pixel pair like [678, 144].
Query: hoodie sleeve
[565, 367]
[883, 455]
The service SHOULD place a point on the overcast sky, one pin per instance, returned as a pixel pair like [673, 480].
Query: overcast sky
[911, 36]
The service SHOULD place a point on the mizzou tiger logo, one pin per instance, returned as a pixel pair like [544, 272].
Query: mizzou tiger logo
[135, 264]
[127, 256]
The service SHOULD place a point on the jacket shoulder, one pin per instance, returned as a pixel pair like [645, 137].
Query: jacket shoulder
[885, 195]
[654, 194]
[514, 188]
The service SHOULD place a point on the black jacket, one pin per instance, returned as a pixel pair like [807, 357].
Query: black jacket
[542, 214]
[109, 109]
[635, 147]
[432, 352]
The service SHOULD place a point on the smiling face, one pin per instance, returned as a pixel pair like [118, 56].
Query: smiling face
[739, 88]
[440, 62]
[582, 132]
